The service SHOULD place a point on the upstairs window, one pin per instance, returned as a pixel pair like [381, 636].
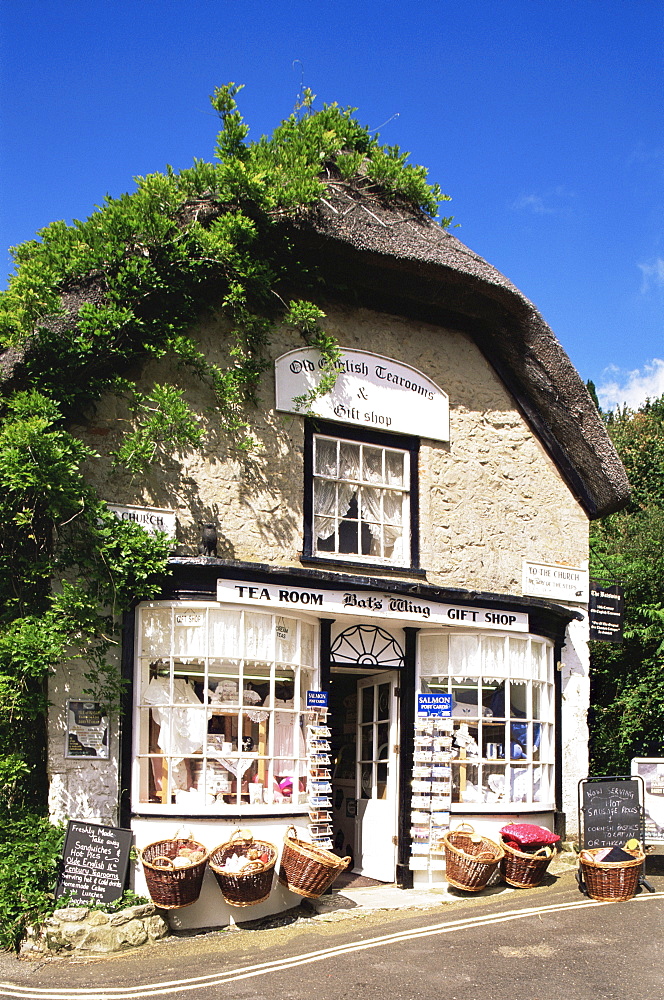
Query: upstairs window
[361, 500]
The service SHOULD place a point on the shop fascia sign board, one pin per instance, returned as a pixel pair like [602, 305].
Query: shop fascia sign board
[370, 391]
[555, 582]
[369, 604]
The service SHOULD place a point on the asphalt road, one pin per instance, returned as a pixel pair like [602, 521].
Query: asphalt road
[545, 944]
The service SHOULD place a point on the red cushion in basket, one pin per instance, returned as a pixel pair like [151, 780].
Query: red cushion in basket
[528, 835]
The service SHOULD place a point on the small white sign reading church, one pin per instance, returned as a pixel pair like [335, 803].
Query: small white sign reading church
[370, 391]
[153, 519]
[561, 583]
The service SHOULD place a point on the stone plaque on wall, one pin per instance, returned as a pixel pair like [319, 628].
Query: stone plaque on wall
[555, 582]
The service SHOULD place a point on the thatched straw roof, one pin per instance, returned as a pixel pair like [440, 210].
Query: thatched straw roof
[400, 260]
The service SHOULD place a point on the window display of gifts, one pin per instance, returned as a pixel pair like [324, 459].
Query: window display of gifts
[463, 741]
[185, 735]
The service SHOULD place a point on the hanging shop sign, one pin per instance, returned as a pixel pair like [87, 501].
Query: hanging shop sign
[370, 391]
[605, 612]
[87, 730]
[369, 604]
[94, 862]
[557, 583]
[439, 705]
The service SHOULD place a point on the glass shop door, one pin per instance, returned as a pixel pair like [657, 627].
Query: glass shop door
[376, 777]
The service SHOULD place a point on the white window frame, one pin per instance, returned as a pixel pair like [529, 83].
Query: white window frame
[206, 664]
[402, 548]
[531, 672]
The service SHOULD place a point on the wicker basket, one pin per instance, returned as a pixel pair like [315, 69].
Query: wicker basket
[252, 884]
[524, 870]
[470, 860]
[171, 888]
[610, 881]
[307, 869]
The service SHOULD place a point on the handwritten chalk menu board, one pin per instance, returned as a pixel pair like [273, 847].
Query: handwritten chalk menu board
[94, 862]
[612, 812]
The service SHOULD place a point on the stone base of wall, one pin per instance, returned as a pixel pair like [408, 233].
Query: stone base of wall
[75, 928]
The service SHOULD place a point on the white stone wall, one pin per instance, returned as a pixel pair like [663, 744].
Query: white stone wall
[575, 667]
[488, 500]
[79, 788]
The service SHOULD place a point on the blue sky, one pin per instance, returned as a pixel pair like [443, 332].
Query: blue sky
[543, 121]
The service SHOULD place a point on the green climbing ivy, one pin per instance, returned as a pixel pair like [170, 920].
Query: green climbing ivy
[87, 305]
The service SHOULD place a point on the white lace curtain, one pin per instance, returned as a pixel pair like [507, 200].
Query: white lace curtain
[333, 496]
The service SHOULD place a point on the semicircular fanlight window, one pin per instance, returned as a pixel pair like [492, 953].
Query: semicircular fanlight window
[367, 645]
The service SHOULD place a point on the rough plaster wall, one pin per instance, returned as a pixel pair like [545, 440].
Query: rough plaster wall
[80, 788]
[489, 499]
[254, 498]
[575, 701]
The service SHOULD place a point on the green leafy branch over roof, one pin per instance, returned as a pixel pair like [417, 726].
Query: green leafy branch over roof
[148, 253]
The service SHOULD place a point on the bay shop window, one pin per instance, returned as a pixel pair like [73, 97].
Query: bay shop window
[219, 709]
[500, 744]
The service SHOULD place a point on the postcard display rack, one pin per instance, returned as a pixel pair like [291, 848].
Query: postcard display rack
[320, 779]
[432, 792]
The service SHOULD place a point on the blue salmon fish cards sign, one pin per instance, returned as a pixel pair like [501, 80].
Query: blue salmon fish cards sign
[434, 704]
[316, 699]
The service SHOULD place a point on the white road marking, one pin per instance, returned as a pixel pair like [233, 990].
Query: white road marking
[163, 989]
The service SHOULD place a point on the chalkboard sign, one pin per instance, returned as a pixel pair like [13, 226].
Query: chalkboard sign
[94, 862]
[612, 811]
